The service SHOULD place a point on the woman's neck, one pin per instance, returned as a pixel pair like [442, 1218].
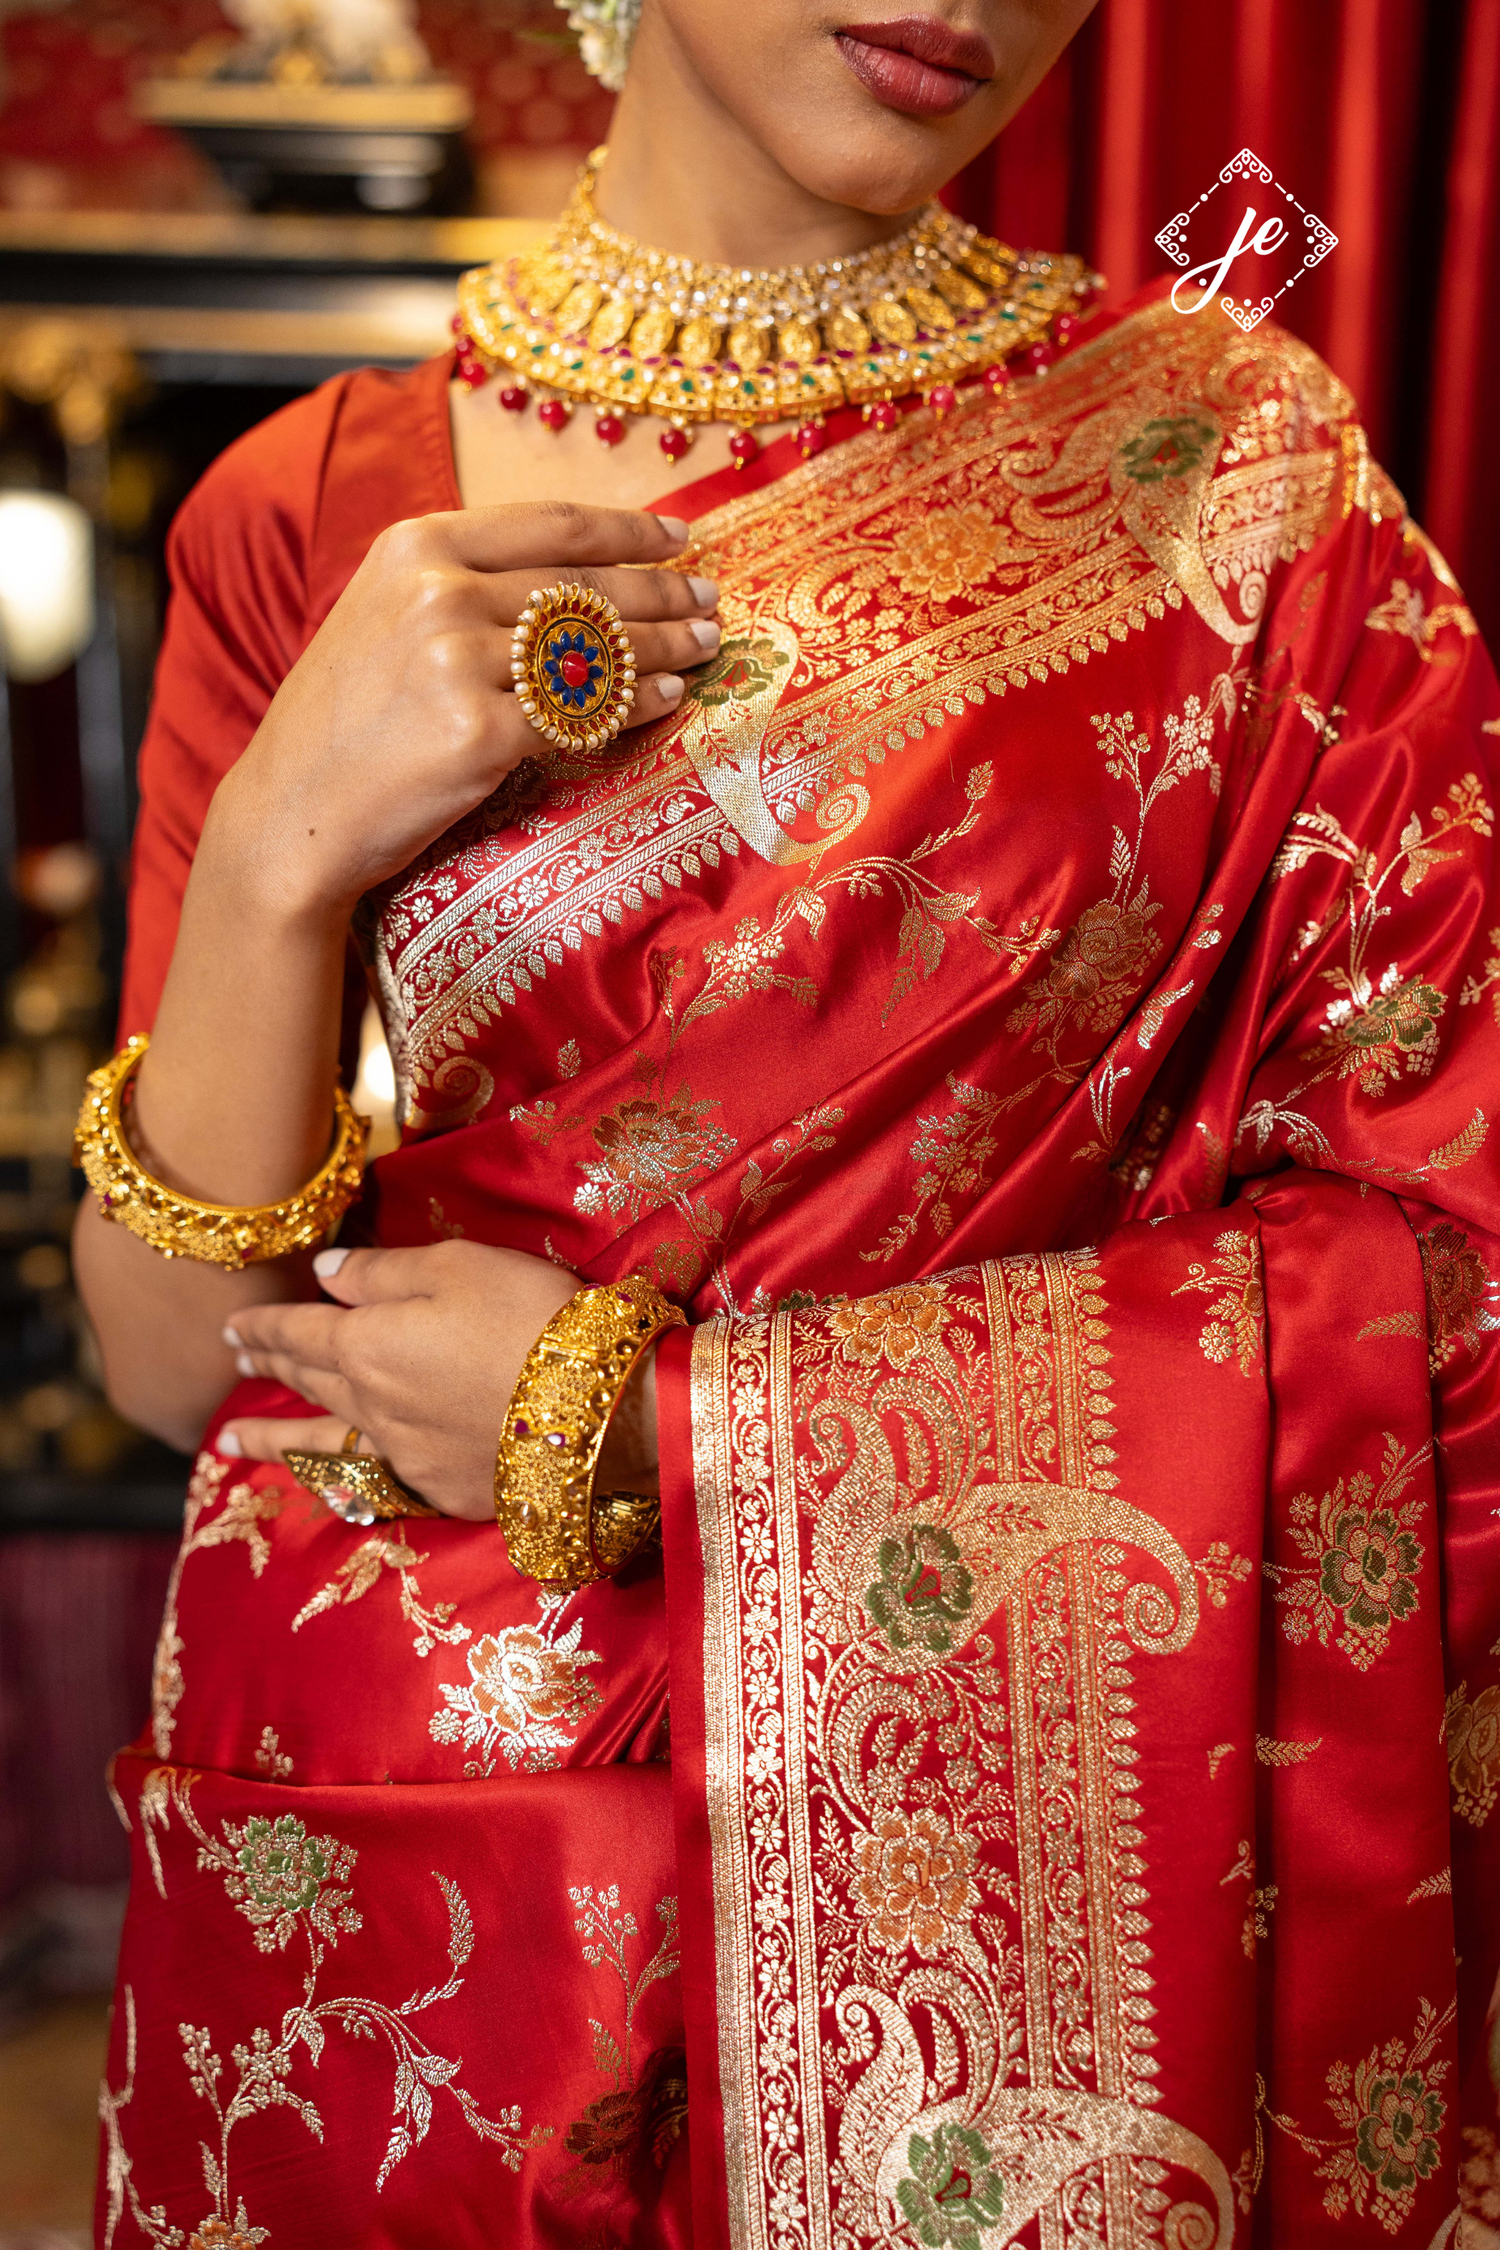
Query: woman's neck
[682, 174]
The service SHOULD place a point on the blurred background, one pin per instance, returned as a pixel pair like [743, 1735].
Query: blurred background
[204, 213]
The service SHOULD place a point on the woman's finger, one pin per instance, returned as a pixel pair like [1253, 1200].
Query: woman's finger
[265, 1438]
[654, 699]
[540, 535]
[665, 648]
[648, 596]
[259, 1438]
[324, 1389]
[308, 1333]
[387, 1277]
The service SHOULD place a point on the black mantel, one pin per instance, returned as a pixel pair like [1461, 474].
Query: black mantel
[247, 298]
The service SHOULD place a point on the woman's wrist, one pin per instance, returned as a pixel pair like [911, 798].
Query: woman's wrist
[257, 971]
[629, 1459]
[266, 856]
[578, 1444]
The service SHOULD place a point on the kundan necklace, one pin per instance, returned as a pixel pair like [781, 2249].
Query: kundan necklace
[591, 317]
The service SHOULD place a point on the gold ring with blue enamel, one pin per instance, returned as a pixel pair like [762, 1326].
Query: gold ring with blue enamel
[573, 666]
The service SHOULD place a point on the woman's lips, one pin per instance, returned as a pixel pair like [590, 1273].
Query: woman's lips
[917, 64]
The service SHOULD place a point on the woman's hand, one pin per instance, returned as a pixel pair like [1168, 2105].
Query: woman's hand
[399, 718]
[420, 1354]
[395, 723]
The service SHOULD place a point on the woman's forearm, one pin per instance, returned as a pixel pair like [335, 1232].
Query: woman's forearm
[234, 1101]
[233, 1104]
[159, 1323]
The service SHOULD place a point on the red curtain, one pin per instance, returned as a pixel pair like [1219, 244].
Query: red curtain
[1383, 116]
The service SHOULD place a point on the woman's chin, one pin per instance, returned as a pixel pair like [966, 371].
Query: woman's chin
[855, 149]
[890, 186]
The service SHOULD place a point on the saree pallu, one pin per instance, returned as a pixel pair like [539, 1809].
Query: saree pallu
[1036, 1007]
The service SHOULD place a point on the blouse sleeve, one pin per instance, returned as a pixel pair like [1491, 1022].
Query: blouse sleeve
[237, 622]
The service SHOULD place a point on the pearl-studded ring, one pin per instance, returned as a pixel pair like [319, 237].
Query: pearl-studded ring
[574, 667]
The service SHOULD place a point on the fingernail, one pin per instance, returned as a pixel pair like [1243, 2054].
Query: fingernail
[669, 688]
[327, 1263]
[705, 593]
[245, 1364]
[673, 526]
[705, 632]
[228, 1442]
[234, 1339]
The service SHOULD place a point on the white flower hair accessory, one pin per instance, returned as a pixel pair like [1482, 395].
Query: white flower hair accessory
[605, 30]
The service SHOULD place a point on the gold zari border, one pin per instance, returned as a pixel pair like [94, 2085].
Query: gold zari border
[822, 2074]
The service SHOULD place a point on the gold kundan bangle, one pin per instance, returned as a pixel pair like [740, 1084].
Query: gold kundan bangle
[554, 1525]
[218, 1234]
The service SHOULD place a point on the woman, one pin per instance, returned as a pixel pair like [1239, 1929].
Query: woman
[1027, 989]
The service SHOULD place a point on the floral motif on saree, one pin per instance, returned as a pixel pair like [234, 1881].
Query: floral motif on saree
[296, 1890]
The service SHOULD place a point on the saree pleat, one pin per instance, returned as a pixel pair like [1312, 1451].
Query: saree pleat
[1036, 1007]
[380, 2024]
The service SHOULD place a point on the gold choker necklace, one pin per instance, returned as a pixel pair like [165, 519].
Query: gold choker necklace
[592, 318]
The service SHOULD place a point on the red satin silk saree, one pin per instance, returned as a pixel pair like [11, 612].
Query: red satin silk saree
[1038, 1007]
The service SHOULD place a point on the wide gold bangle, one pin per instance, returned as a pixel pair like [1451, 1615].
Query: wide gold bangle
[218, 1234]
[555, 1528]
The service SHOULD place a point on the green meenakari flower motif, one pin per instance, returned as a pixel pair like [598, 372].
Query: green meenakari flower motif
[1406, 1017]
[924, 1588]
[1167, 449]
[284, 1867]
[1397, 2136]
[279, 1872]
[1370, 1570]
[952, 2190]
[738, 673]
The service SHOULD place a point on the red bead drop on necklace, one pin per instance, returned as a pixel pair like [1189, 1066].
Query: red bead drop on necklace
[553, 414]
[457, 326]
[471, 372]
[674, 443]
[608, 428]
[575, 671]
[743, 448]
[811, 439]
[1040, 358]
[942, 398]
[1064, 329]
[515, 398]
[885, 415]
[997, 377]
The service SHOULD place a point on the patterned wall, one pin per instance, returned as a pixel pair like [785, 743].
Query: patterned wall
[69, 138]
